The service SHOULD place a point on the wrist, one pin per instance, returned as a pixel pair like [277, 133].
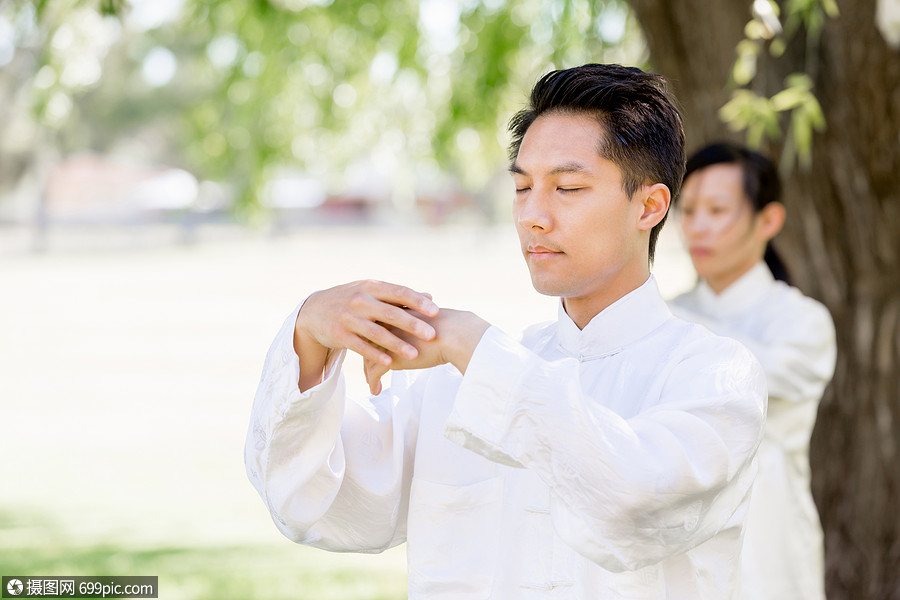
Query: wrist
[304, 340]
[464, 338]
[311, 353]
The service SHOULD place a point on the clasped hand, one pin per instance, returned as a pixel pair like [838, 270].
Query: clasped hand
[390, 326]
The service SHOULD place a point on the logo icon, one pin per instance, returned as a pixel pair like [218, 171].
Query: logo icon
[14, 587]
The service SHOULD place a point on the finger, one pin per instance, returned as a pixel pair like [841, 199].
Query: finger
[386, 338]
[373, 383]
[374, 372]
[400, 295]
[358, 331]
[404, 320]
[367, 350]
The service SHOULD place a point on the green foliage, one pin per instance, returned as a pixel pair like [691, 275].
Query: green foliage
[761, 117]
[806, 116]
[744, 69]
[809, 14]
[413, 87]
[747, 111]
[111, 8]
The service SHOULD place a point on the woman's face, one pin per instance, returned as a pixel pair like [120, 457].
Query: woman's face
[724, 235]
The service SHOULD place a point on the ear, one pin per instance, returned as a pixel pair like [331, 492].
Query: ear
[655, 202]
[771, 219]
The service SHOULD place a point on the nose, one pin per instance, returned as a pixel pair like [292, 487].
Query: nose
[531, 211]
[695, 225]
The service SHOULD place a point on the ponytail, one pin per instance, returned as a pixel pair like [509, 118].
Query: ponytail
[776, 265]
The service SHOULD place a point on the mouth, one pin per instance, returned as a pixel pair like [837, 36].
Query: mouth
[699, 252]
[537, 251]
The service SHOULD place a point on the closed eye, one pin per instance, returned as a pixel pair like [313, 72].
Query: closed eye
[569, 189]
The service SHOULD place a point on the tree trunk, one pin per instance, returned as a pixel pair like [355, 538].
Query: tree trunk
[841, 244]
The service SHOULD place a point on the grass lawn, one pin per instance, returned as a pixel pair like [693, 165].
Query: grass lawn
[240, 572]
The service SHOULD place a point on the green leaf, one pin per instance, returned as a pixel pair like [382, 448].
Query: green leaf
[789, 98]
[756, 30]
[755, 135]
[802, 133]
[798, 80]
[777, 47]
[814, 113]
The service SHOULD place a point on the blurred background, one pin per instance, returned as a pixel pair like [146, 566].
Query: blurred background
[284, 111]
[176, 175]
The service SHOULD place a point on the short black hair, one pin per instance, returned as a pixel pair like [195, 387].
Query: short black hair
[761, 184]
[644, 135]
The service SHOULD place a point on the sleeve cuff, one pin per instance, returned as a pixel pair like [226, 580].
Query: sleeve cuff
[283, 372]
[482, 410]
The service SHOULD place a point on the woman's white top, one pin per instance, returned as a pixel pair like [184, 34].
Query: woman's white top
[793, 337]
[610, 462]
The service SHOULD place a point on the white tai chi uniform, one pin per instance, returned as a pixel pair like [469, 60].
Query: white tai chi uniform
[610, 462]
[793, 337]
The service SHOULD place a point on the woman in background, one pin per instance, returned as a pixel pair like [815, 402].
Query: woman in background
[729, 213]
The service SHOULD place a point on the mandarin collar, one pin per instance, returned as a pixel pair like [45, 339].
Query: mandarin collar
[623, 322]
[740, 295]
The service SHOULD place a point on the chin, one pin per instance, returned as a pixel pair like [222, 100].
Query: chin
[549, 288]
[701, 271]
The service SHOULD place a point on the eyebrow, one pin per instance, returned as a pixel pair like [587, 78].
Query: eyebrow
[569, 167]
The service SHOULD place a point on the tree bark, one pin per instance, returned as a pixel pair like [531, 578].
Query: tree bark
[841, 244]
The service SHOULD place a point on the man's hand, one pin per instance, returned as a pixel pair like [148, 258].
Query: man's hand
[368, 317]
[458, 333]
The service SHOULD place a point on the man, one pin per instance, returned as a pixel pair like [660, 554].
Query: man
[608, 455]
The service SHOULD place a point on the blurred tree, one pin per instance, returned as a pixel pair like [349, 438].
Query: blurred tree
[414, 87]
[236, 90]
[841, 242]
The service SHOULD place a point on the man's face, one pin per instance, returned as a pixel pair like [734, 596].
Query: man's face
[577, 228]
[721, 230]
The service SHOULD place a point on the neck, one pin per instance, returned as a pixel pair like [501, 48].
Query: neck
[581, 309]
[722, 283]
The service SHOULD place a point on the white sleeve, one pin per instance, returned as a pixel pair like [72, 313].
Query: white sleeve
[333, 473]
[625, 493]
[797, 350]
